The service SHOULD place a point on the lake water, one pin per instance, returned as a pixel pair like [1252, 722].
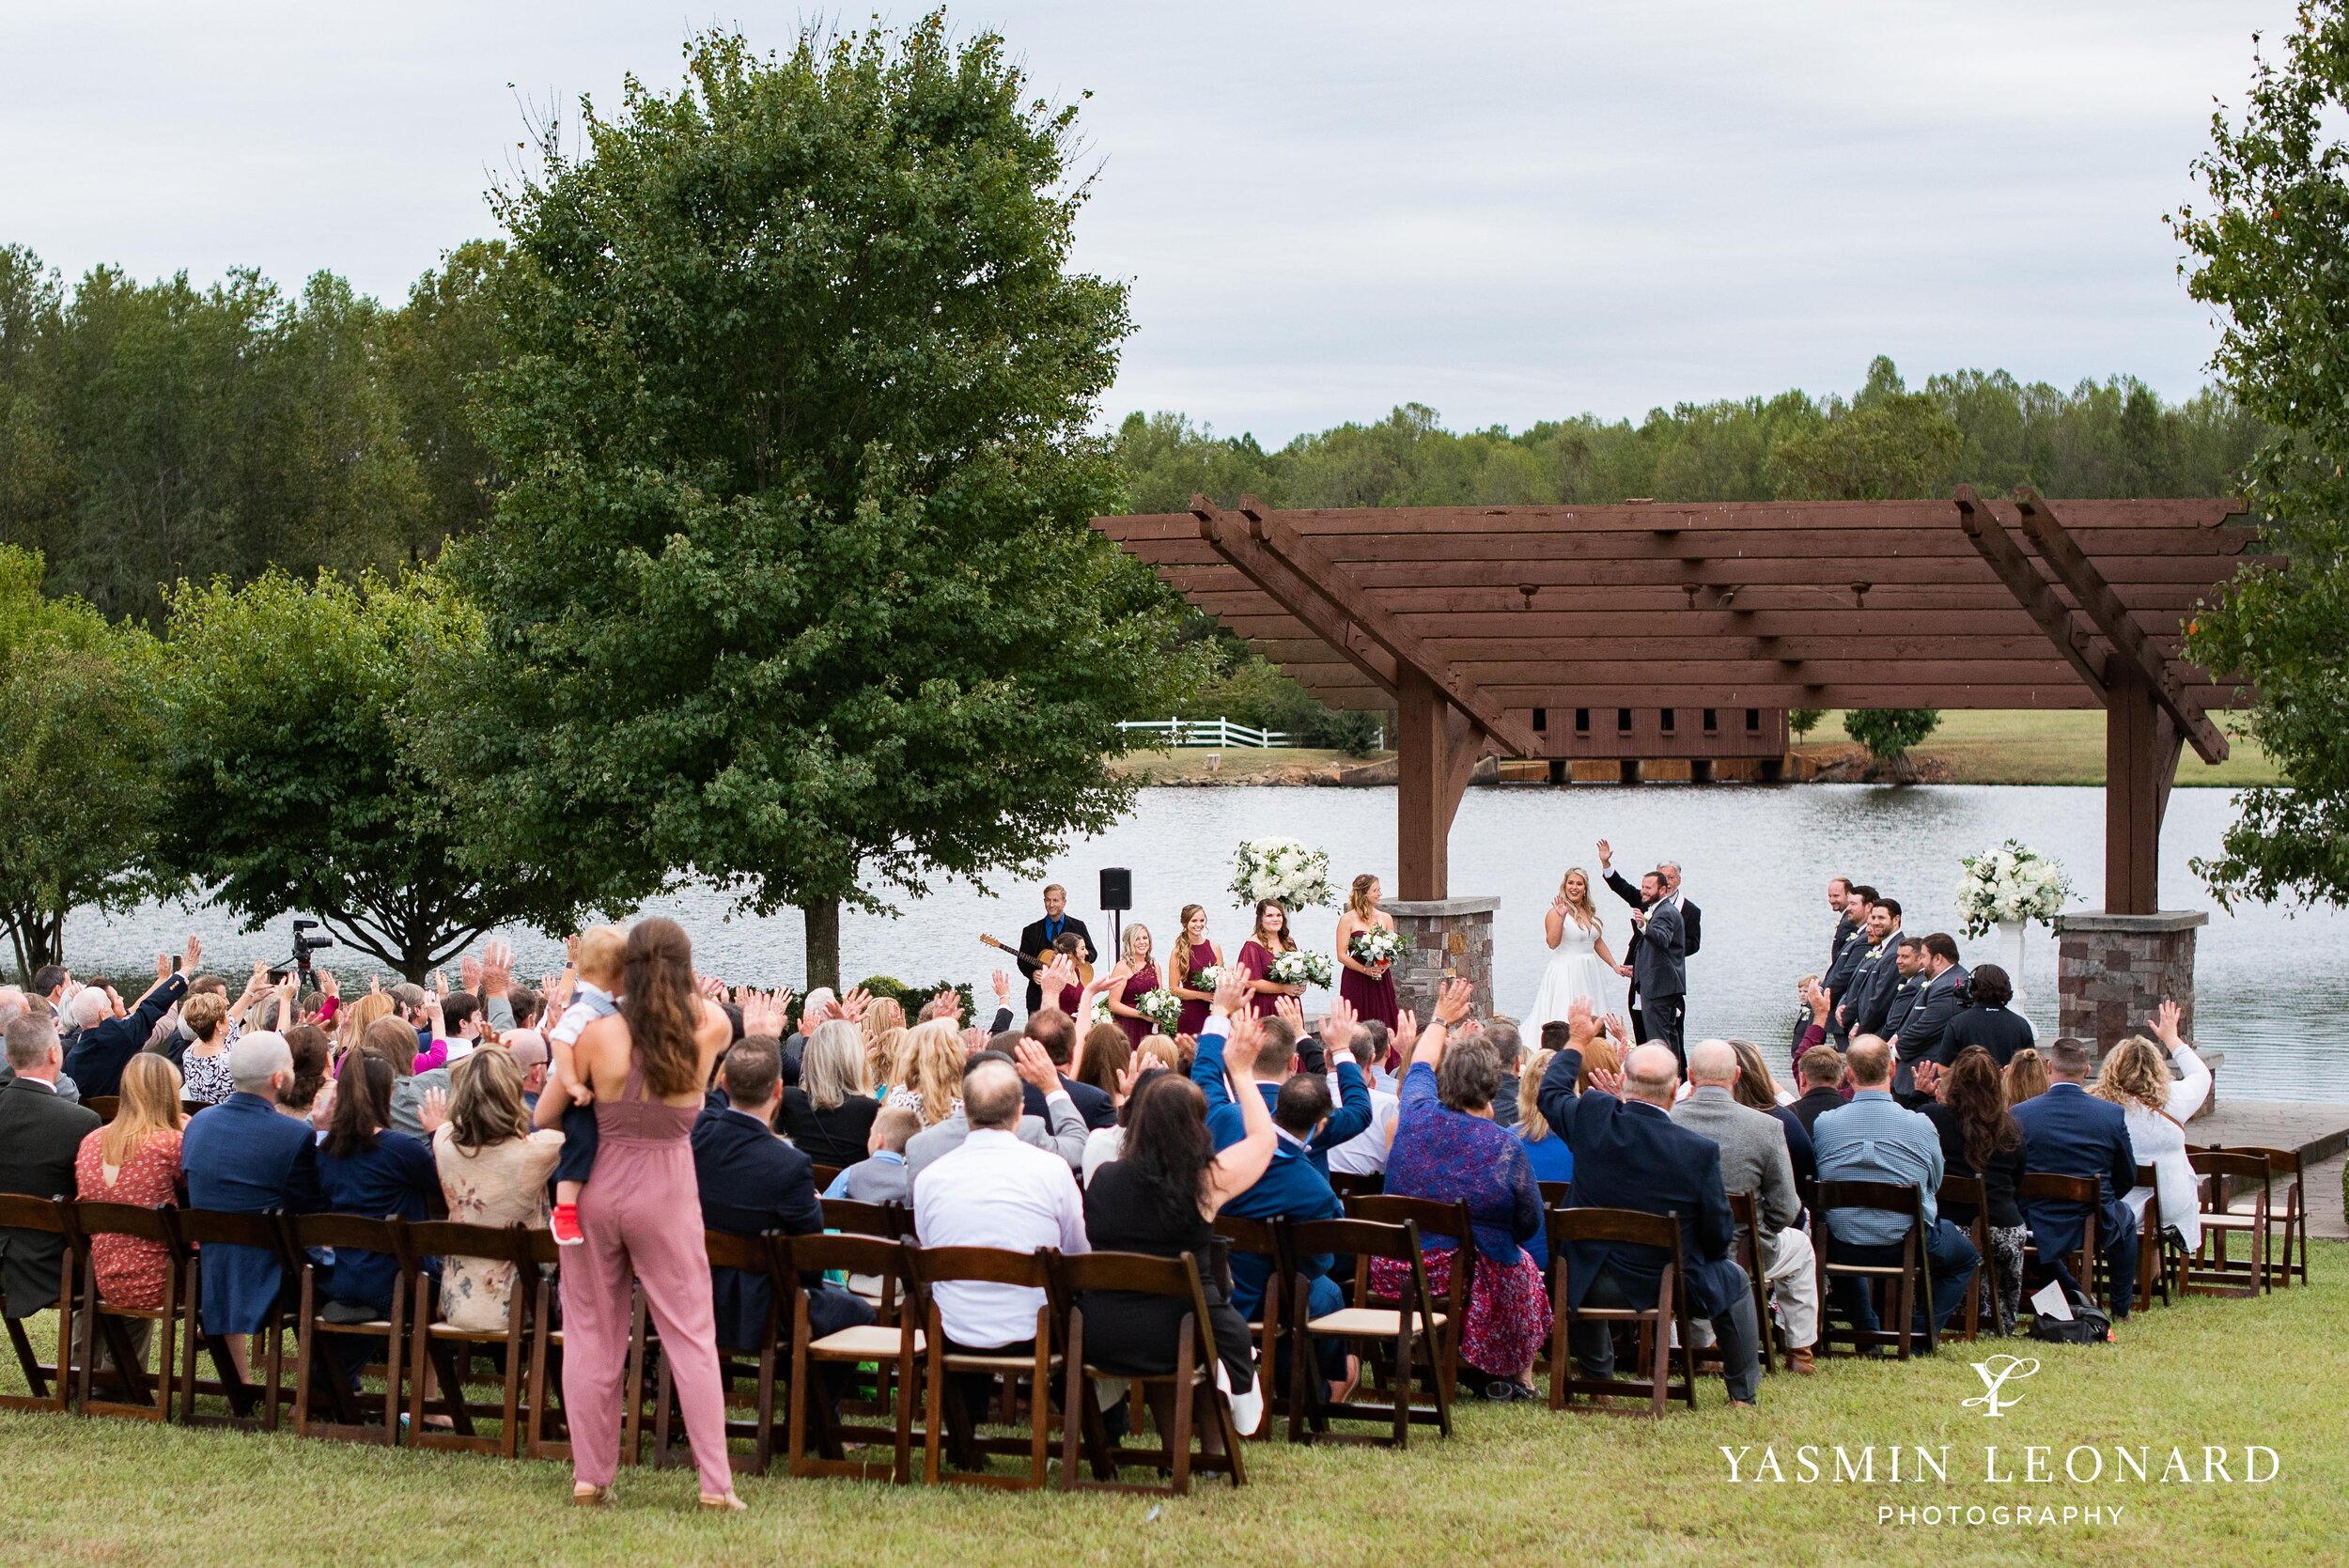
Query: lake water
[1756, 859]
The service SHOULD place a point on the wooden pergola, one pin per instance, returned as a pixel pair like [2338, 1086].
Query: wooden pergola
[1484, 626]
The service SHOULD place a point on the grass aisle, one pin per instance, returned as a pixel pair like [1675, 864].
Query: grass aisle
[1517, 1484]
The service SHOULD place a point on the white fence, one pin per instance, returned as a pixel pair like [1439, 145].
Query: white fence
[1203, 731]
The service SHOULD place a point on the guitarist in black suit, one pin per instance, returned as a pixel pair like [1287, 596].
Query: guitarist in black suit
[1040, 936]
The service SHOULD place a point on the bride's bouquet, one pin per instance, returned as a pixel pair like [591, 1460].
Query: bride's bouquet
[1299, 968]
[1161, 1006]
[1206, 977]
[1281, 868]
[1375, 944]
[2011, 882]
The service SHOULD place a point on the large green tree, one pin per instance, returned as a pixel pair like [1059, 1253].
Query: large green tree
[81, 731]
[295, 777]
[790, 585]
[2272, 252]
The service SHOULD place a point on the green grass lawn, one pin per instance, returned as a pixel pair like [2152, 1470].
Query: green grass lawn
[1517, 1484]
[2052, 746]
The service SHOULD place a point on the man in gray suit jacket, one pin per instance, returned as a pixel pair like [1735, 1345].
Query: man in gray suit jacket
[1659, 967]
[1063, 1134]
[1755, 1159]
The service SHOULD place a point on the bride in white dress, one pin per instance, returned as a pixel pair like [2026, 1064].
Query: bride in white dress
[1579, 964]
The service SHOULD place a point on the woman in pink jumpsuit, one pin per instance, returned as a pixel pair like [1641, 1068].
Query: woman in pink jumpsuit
[641, 1215]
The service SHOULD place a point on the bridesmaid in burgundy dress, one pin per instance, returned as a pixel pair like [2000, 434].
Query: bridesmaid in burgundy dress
[1142, 977]
[1192, 953]
[1071, 998]
[1369, 986]
[1269, 939]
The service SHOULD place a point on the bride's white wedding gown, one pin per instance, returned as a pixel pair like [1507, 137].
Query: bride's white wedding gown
[1575, 970]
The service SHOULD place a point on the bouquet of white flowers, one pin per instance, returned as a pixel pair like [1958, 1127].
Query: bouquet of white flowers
[1375, 944]
[1299, 968]
[2011, 882]
[1101, 1013]
[1205, 978]
[1161, 1007]
[1281, 868]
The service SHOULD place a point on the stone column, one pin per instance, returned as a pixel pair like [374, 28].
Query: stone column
[1443, 939]
[2111, 970]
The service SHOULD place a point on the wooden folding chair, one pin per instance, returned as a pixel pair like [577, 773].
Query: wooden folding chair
[932, 1267]
[141, 1397]
[1743, 1212]
[1435, 1219]
[1262, 1238]
[1968, 1192]
[2085, 1193]
[50, 1387]
[322, 1346]
[104, 1105]
[1411, 1325]
[1197, 1402]
[1903, 1284]
[900, 1349]
[827, 1174]
[1348, 1186]
[751, 1255]
[2154, 1264]
[2211, 1271]
[1658, 1326]
[1555, 1195]
[448, 1349]
[202, 1228]
[2289, 1260]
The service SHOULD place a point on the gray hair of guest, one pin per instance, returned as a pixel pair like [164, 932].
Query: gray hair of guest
[831, 1064]
[1503, 1034]
[14, 1005]
[1469, 1074]
[817, 999]
[30, 1038]
[1713, 1063]
[257, 1059]
[1651, 1073]
[91, 1007]
[1368, 1045]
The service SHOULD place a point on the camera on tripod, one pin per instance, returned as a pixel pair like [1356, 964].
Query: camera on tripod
[303, 945]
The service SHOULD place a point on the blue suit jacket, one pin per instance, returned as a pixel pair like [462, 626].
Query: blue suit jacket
[242, 1156]
[752, 1181]
[1350, 1119]
[2069, 1132]
[102, 1052]
[1630, 1156]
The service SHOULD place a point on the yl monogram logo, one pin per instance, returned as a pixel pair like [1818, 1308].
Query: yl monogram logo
[1994, 1374]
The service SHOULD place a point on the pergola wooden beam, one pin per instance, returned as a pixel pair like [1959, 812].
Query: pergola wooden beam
[1296, 595]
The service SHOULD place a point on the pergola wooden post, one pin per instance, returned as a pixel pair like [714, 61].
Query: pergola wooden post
[1477, 623]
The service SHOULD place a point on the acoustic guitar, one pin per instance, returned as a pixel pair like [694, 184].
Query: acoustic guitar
[1085, 966]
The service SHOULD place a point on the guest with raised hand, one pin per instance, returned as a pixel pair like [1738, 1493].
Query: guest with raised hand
[1267, 942]
[2136, 1077]
[1316, 1126]
[1192, 953]
[1368, 987]
[108, 1039]
[1447, 1147]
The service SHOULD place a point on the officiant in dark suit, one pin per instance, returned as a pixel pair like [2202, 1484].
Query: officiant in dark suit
[1040, 936]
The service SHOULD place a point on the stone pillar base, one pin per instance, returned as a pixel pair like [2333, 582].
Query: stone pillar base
[2112, 969]
[1443, 939]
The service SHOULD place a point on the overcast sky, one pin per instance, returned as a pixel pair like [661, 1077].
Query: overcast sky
[1509, 211]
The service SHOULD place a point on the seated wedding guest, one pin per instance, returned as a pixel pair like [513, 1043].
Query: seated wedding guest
[313, 1053]
[1510, 1046]
[1756, 1160]
[1980, 1138]
[242, 1158]
[1060, 1130]
[1161, 1197]
[883, 1027]
[881, 1177]
[105, 1044]
[2026, 1076]
[830, 1113]
[752, 1182]
[1105, 1056]
[1987, 1022]
[528, 1050]
[2137, 1078]
[1103, 1144]
[1822, 1070]
[1552, 1161]
[1449, 1148]
[934, 1061]
[494, 1169]
[352, 1023]
[368, 1167]
[1365, 1153]
[204, 1066]
[1757, 1089]
[134, 1160]
[1347, 1122]
[995, 1190]
[1875, 1138]
[1056, 1031]
[1628, 1155]
[2070, 1132]
[40, 1139]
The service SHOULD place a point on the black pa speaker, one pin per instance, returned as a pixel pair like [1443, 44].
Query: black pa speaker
[1117, 887]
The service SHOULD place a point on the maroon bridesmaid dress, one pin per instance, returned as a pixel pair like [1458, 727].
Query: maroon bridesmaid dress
[1145, 979]
[1371, 998]
[1195, 1013]
[1256, 963]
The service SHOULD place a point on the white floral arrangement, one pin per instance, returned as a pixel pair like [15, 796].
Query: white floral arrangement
[1299, 968]
[1206, 977]
[1281, 868]
[2011, 882]
[1101, 1013]
[1161, 1007]
[1376, 944]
